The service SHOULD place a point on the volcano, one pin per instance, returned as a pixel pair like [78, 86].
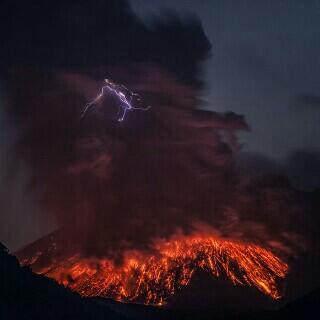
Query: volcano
[147, 205]
[151, 277]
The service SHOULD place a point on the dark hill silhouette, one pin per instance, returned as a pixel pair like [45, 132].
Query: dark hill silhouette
[25, 295]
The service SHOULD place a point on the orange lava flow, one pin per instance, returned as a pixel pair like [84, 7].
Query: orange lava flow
[151, 278]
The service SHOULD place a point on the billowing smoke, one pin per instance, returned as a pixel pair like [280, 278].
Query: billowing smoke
[118, 185]
[157, 171]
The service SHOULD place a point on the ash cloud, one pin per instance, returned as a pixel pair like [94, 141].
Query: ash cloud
[119, 185]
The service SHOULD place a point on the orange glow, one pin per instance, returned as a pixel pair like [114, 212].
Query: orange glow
[151, 278]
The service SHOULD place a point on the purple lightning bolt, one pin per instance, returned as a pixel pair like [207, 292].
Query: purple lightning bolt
[123, 93]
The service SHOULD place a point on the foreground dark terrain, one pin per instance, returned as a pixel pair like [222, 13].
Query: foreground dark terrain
[25, 295]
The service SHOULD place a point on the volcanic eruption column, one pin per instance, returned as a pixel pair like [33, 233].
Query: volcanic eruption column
[151, 278]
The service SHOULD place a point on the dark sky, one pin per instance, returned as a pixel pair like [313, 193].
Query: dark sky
[265, 64]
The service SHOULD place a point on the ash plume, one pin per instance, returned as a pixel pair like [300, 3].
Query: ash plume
[114, 185]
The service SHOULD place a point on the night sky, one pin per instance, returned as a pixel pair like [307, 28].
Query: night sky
[265, 64]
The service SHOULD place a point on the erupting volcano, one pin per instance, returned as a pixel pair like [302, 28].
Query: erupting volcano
[125, 217]
[151, 277]
[122, 189]
[129, 186]
[130, 176]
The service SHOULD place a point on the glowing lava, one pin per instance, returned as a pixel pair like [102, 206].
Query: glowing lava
[151, 278]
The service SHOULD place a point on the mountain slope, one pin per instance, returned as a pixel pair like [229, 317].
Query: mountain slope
[25, 295]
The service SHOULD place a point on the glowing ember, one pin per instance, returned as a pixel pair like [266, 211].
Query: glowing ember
[151, 278]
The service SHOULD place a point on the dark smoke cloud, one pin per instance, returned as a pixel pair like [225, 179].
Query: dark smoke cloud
[97, 33]
[158, 171]
[21, 219]
[43, 45]
[119, 185]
